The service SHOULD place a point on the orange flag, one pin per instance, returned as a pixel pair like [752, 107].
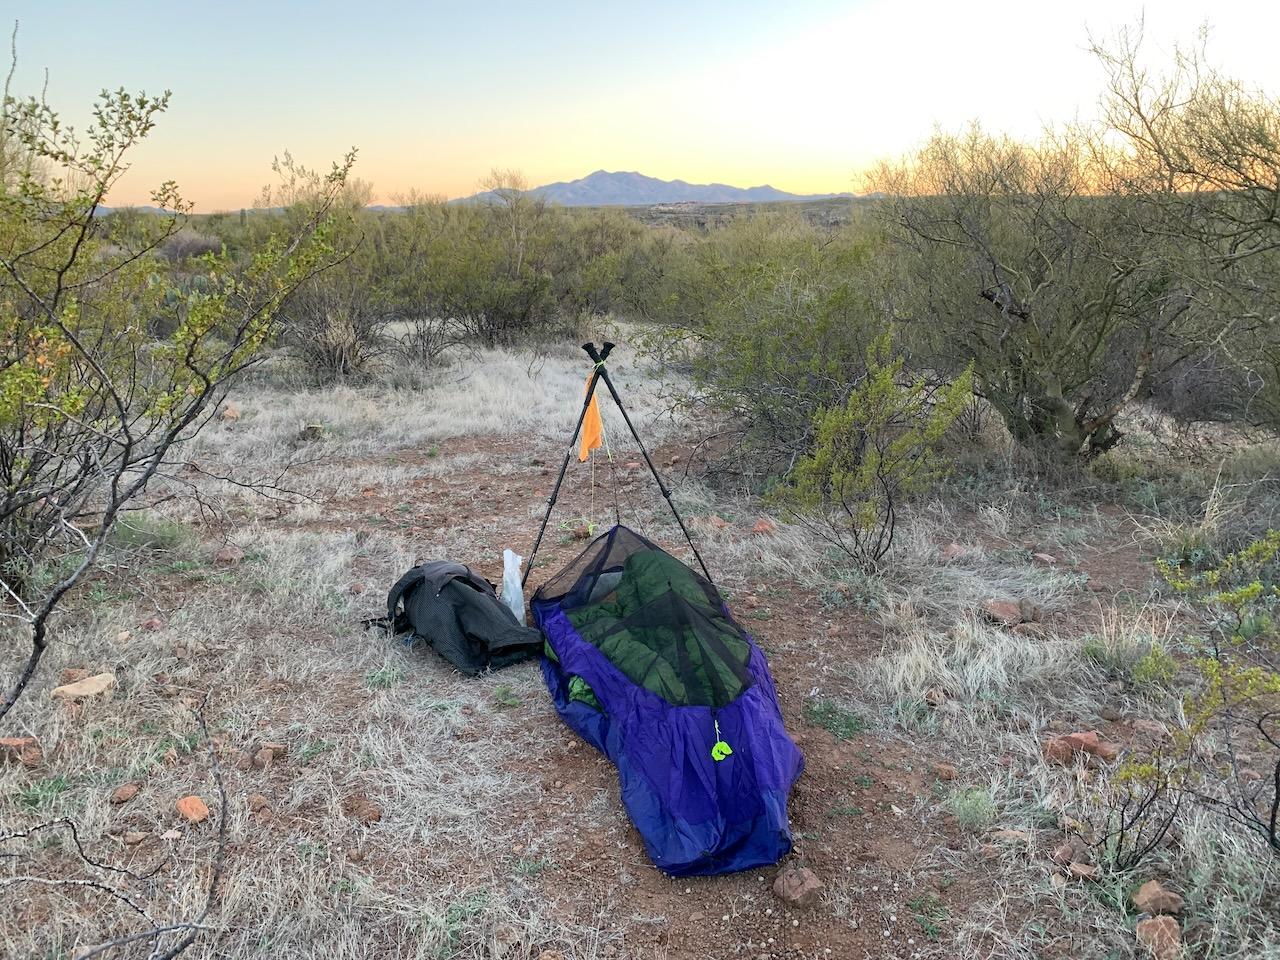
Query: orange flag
[592, 428]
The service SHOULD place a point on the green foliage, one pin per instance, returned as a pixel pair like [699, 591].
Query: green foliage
[872, 452]
[1235, 705]
[771, 317]
[839, 721]
[973, 807]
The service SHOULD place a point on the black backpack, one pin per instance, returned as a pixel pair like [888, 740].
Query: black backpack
[458, 612]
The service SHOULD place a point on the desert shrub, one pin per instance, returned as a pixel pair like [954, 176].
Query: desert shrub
[973, 807]
[871, 453]
[187, 244]
[107, 362]
[770, 318]
[1233, 714]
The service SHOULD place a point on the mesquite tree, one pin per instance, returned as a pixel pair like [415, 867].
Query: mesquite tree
[109, 360]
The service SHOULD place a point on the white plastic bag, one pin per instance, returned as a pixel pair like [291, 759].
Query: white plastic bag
[512, 591]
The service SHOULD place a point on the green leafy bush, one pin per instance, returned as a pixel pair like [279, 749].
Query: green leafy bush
[872, 452]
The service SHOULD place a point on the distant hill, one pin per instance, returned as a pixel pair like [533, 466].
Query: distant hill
[605, 189]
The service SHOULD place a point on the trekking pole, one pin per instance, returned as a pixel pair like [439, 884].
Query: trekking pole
[604, 375]
[599, 358]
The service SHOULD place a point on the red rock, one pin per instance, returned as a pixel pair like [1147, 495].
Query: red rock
[1154, 898]
[763, 526]
[1004, 612]
[125, 792]
[1106, 750]
[1083, 871]
[797, 886]
[1161, 936]
[360, 807]
[88, 687]
[1059, 750]
[23, 750]
[229, 555]
[263, 759]
[193, 809]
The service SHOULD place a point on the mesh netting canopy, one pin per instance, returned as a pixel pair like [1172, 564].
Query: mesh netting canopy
[664, 626]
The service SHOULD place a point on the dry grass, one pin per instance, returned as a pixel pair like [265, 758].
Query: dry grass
[462, 769]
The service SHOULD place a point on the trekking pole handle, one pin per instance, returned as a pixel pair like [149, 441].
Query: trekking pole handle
[601, 355]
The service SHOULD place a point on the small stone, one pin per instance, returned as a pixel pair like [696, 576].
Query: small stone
[88, 687]
[125, 792]
[193, 809]
[1004, 612]
[1030, 612]
[23, 750]
[263, 759]
[124, 636]
[278, 750]
[1154, 898]
[361, 808]
[258, 803]
[945, 771]
[153, 624]
[797, 886]
[229, 555]
[171, 835]
[764, 526]
[355, 855]
[1161, 936]
[1063, 854]
[1058, 750]
[134, 837]
[1084, 871]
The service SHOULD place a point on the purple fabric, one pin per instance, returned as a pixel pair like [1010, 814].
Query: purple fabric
[696, 815]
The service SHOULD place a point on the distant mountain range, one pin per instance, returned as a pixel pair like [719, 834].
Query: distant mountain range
[605, 189]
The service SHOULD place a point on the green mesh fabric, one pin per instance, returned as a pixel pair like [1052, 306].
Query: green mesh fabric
[665, 628]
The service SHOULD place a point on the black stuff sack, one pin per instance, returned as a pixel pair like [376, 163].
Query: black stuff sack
[459, 614]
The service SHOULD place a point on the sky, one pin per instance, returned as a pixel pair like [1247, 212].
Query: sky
[803, 95]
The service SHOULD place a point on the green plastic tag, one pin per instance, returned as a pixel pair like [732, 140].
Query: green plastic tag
[720, 750]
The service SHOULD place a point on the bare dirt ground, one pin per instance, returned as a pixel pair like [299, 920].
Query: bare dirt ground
[379, 804]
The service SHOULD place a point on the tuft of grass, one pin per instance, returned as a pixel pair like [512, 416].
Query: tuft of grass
[384, 678]
[930, 912]
[314, 749]
[973, 807]
[43, 794]
[504, 697]
[839, 721]
[149, 531]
